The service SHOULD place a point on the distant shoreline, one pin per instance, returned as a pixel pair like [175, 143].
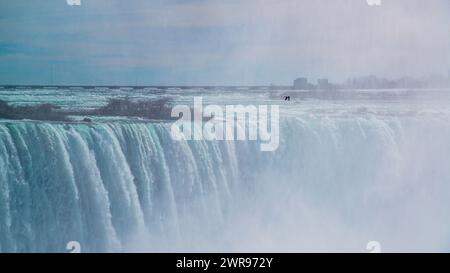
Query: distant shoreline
[228, 88]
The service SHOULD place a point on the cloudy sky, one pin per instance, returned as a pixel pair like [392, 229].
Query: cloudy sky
[215, 42]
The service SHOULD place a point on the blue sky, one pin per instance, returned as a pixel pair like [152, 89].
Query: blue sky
[219, 42]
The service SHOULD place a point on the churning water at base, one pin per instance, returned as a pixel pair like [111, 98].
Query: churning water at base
[333, 185]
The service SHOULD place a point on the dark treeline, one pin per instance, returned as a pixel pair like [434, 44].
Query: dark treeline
[44, 111]
[157, 109]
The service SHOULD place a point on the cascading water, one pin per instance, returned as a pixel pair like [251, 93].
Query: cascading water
[334, 184]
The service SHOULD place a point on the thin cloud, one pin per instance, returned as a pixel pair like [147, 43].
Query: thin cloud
[239, 42]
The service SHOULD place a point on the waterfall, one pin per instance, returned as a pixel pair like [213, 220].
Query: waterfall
[333, 184]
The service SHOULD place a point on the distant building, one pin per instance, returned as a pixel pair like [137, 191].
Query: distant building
[323, 84]
[301, 84]
[448, 79]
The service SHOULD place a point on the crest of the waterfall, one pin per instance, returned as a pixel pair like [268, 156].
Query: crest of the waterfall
[334, 183]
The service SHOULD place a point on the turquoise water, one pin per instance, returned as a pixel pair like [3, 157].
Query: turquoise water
[346, 172]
